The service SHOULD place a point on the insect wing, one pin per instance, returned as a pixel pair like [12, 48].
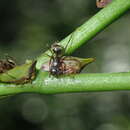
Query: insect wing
[75, 64]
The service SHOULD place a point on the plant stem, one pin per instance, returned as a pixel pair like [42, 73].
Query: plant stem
[93, 26]
[73, 83]
[86, 82]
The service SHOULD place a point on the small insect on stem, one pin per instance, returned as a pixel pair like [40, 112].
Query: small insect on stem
[56, 60]
[102, 3]
[7, 64]
[20, 74]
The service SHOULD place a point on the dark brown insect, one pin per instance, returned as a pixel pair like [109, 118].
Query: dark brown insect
[7, 64]
[56, 60]
[102, 3]
[69, 65]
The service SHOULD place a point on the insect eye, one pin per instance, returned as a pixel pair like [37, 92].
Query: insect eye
[57, 48]
[11, 62]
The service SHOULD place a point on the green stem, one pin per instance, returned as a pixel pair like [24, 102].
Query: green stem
[73, 83]
[93, 26]
[85, 83]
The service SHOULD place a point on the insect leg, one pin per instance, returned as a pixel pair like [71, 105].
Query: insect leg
[48, 55]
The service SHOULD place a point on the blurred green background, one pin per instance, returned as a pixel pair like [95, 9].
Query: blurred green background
[27, 28]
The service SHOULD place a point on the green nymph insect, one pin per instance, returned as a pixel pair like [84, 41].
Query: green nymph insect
[20, 74]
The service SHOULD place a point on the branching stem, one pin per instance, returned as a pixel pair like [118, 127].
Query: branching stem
[80, 82]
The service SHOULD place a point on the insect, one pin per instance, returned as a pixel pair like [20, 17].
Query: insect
[56, 64]
[56, 59]
[60, 64]
[20, 74]
[102, 3]
[7, 64]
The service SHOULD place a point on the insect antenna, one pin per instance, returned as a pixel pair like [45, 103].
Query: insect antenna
[49, 49]
[47, 55]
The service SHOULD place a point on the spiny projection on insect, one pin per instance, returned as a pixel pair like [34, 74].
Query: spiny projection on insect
[59, 64]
